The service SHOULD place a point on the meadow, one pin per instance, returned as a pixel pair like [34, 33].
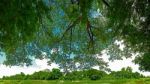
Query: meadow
[117, 81]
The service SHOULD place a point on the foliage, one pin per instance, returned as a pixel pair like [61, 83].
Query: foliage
[70, 31]
[92, 74]
[20, 76]
[125, 73]
[27, 28]
[19, 22]
[55, 74]
[143, 61]
[75, 75]
[39, 75]
[129, 21]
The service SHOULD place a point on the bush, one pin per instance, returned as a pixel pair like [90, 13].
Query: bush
[94, 74]
[94, 77]
[55, 74]
[75, 75]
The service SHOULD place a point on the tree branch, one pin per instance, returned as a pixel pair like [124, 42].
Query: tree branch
[89, 31]
[70, 27]
[91, 35]
[106, 3]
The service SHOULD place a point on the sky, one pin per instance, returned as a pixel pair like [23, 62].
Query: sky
[42, 64]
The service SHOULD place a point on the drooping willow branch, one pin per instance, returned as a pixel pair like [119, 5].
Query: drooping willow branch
[89, 31]
[71, 26]
[90, 34]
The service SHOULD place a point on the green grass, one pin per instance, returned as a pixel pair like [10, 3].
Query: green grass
[124, 81]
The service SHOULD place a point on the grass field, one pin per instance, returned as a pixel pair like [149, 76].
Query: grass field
[132, 81]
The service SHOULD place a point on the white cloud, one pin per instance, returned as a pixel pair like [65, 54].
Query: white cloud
[42, 64]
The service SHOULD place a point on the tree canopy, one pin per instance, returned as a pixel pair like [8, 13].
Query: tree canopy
[76, 30]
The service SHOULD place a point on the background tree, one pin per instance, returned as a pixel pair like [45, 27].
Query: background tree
[129, 21]
[126, 73]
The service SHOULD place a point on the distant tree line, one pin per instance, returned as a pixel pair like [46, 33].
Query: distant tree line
[92, 74]
[125, 73]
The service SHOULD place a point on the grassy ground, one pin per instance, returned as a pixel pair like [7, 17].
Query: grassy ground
[132, 81]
